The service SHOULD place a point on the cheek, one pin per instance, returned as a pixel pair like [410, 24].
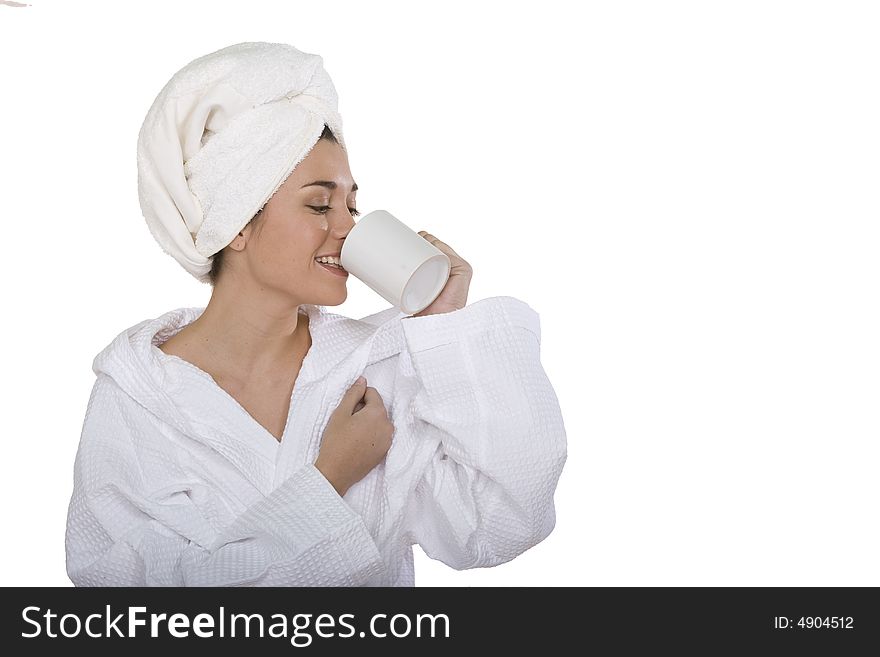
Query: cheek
[297, 244]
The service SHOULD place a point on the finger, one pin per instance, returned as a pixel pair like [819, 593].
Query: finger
[374, 401]
[354, 394]
[371, 397]
[443, 246]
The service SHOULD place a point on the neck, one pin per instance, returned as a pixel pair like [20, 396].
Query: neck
[252, 333]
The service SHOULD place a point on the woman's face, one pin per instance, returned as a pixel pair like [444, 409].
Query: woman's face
[301, 222]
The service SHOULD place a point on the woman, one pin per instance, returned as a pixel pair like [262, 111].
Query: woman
[235, 444]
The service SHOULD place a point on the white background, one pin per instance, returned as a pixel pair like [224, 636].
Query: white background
[686, 192]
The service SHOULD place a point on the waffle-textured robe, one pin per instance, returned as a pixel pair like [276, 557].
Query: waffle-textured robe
[175, 484]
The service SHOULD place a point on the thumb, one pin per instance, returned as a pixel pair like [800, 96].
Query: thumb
[354, 394]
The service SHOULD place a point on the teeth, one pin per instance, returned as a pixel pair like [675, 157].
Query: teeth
[330, 260]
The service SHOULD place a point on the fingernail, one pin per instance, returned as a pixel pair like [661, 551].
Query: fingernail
[361, 380]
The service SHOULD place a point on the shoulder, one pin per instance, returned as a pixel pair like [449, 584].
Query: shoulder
[344, 335]
[383, 317]
[121, 442]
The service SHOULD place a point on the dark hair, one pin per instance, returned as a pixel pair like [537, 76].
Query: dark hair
[217, 259]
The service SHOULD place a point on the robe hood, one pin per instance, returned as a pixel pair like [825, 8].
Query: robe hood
[135, 363]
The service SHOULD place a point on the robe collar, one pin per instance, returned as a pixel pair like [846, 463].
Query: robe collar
[341, 349]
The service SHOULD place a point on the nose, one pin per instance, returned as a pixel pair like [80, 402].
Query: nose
[342, 227]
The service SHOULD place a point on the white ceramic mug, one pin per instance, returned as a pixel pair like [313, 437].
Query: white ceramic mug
[395, 261]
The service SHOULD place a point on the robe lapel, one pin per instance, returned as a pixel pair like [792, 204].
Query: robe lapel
[341, 350]
[217, 420]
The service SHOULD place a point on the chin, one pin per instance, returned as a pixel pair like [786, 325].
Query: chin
[336, 299]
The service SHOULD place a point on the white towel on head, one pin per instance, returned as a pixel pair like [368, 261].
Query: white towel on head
[221, 137]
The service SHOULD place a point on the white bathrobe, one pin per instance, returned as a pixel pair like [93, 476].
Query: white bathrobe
[175, 484]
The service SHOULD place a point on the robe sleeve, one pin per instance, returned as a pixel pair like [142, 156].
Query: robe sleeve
[493, 420]
[121, 532]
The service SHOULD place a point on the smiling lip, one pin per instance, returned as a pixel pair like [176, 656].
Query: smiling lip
[329, 255]
[334, 270]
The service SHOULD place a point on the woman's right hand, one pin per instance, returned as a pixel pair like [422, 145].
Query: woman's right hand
[356, 438]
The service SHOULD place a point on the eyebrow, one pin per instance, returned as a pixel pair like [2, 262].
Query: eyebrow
[329, 184]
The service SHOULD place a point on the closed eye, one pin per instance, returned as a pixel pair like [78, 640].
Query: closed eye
[323, 209]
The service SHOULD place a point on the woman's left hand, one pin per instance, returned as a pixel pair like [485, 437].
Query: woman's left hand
[455, 292]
